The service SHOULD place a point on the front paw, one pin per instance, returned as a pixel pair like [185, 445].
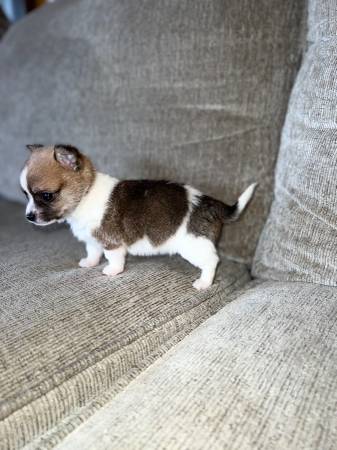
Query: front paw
[201, 284]
[112, 271]
[87, 262]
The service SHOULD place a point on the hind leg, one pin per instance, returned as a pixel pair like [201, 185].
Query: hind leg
[200, 252]
[116, 259]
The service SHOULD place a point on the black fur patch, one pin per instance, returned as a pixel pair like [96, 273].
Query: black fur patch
[68, 147]
[33, 147]
[208, 216]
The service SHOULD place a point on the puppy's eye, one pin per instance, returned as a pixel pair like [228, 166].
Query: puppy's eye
[24, 192]
[47, 196]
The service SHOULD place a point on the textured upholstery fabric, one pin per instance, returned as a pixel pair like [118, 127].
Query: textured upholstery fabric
[259, 375]
[69, 336]
[300, 238]
[190, 90]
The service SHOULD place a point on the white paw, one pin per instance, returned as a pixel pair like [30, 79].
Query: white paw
[201, 284]
[86, 262]
[112, 271]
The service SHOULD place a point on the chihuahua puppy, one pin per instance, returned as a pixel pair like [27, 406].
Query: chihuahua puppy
[140, 217]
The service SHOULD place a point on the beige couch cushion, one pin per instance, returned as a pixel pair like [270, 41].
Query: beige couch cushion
[259, 375]
[71, 337]
[300, 238]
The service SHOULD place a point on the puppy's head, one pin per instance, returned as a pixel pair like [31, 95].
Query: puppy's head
[54, 180]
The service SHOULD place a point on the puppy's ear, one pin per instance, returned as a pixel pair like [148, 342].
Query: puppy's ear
[33, 147]
[68, 156]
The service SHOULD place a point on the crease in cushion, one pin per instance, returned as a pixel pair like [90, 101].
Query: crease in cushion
[300, 237]
[68, 335]
[188, 90]
[259, 374]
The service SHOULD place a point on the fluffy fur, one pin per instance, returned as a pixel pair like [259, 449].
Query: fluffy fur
[140, 217]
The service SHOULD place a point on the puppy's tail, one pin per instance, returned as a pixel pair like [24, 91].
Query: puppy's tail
[233, 213]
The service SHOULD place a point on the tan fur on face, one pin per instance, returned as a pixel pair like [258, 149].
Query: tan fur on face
[45, 174]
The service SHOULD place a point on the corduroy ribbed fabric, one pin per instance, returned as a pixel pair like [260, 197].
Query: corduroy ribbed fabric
[259, 375]
[71, 337]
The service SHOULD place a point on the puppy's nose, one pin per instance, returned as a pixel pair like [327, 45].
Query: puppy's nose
[31, 217]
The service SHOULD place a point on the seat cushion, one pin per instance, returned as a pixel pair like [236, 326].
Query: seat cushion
[188, 90]
[300, 238]
[260, 374]
[69, 335]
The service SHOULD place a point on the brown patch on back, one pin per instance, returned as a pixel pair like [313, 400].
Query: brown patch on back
[139, 208]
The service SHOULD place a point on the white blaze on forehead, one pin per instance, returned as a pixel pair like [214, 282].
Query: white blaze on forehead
[23, 182]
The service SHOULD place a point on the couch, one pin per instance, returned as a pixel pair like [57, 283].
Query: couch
[217, 94]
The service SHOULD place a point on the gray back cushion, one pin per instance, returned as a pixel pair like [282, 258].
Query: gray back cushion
[190, 90]
[300, 238]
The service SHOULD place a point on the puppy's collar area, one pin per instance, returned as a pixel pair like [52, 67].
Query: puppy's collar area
[90, 210]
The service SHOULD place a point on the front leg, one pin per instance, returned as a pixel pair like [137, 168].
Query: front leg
[94, 253]
[116, 258]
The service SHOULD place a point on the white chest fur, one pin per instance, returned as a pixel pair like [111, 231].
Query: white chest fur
[90, 211]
